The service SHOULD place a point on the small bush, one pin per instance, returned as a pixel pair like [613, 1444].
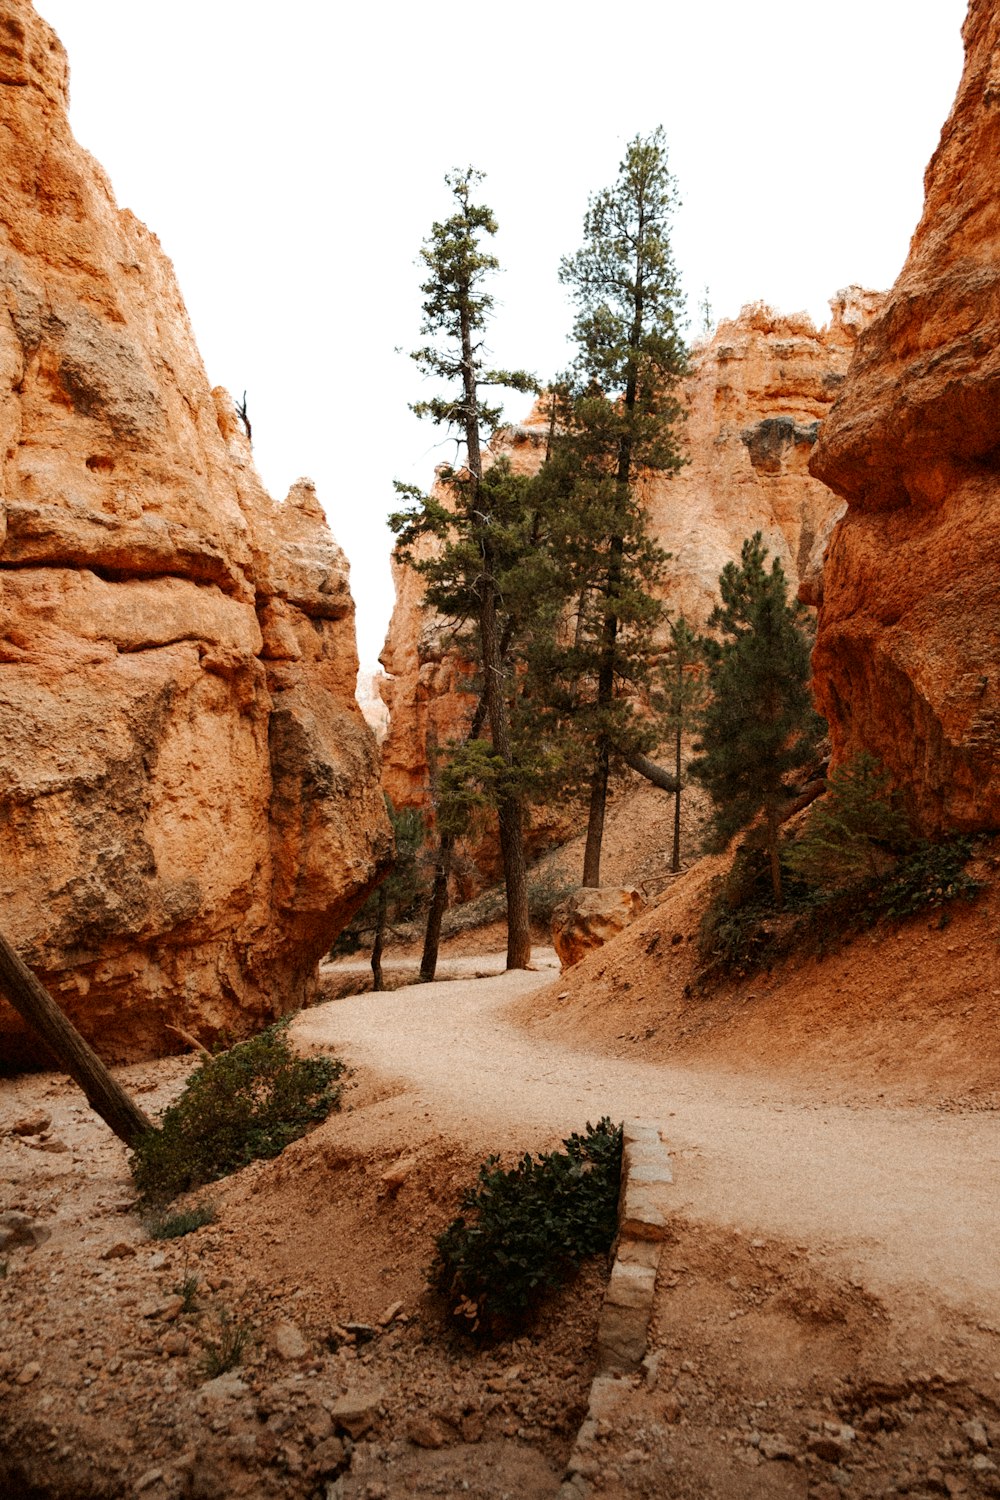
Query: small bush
[244, 1105]
[929, 876]
[174, 1226]
[854, 832]
[742, 932]
[523, 1230]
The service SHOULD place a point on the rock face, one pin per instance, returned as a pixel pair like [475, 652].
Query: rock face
[189, 797]
[909, 640]
[757, 392]
[590, 918]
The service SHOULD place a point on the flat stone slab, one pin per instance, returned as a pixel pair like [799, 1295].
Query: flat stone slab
[642, 1215]
[631, 1286]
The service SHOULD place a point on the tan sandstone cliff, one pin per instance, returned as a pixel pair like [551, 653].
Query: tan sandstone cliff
[909, 642]
[758, 389]
[189, 798]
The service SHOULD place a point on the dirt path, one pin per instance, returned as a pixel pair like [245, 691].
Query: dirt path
[903, 1198]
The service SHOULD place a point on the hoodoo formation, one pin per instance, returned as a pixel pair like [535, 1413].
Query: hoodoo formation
[758, 390]
[909, 640]
[188, 793]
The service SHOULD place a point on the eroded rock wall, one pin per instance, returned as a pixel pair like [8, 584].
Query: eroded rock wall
[909, 639]
[189, 798]
[757, 392]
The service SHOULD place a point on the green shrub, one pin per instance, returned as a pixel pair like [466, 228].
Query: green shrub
[523, 1230]
[244, 1105]
[742, 932]
[854, 831]
[929, 876]
[741, 929]
[174, 1226]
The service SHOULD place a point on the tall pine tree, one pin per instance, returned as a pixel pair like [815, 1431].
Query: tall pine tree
[456, 312]
[759, 725]
[622, 421]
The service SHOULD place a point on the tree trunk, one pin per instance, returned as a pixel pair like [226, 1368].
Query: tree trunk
[31, 999]
[438, 907]
[381, 913]
[658, 775]
[595, 819]
[773, 815]
[510, 813]
[675, 857]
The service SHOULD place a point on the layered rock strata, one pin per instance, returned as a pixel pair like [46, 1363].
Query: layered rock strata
[189, 797]
[909, 638]
[757, 393]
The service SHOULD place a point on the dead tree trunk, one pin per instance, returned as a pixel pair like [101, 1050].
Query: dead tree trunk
[32, 1001]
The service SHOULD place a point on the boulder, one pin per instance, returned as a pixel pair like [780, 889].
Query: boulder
[589, 917]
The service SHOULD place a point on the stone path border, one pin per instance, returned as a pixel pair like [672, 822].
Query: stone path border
[628, 1301]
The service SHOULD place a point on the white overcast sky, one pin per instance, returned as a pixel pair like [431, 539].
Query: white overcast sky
[290, 158]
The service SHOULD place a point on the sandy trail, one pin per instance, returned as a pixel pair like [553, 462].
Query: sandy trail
[898, 1198]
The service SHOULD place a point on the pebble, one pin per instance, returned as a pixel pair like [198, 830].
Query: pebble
[121, 1250]
[287, 1340]
[33, 1124]
[774, 1446]
[21, 1229]
[167, 1308]
[424, 1432]
[976, 1433]
[30, 1372]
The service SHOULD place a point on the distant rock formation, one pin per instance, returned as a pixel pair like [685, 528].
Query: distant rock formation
[909, 640]
[189, 799]
[757, 392]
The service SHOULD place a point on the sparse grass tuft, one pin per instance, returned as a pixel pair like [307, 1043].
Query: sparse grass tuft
[173, 1226]
[188, 1289]
[225, 1353]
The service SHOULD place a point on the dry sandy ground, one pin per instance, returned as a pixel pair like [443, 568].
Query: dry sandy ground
[828, 1307]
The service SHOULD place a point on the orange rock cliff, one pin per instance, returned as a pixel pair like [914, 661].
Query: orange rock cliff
[757, 392]
[909, 638]
[189, 797]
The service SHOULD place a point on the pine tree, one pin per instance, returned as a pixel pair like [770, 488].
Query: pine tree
[456, 312]
[622, 421]
[759, 725]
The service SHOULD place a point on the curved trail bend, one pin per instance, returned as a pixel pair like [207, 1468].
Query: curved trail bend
[903, 1198]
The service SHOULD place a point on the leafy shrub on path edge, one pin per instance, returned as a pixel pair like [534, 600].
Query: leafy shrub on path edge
[245, 1105]
[524, 1230]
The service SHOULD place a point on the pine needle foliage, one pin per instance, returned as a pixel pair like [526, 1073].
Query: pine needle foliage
[246, 1104]
[759, 725]
[620, 420]
[523, 1230]
[471, 517]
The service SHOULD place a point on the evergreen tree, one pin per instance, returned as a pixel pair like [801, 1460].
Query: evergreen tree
[621, 421]
[456, 311]
[759, 724]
